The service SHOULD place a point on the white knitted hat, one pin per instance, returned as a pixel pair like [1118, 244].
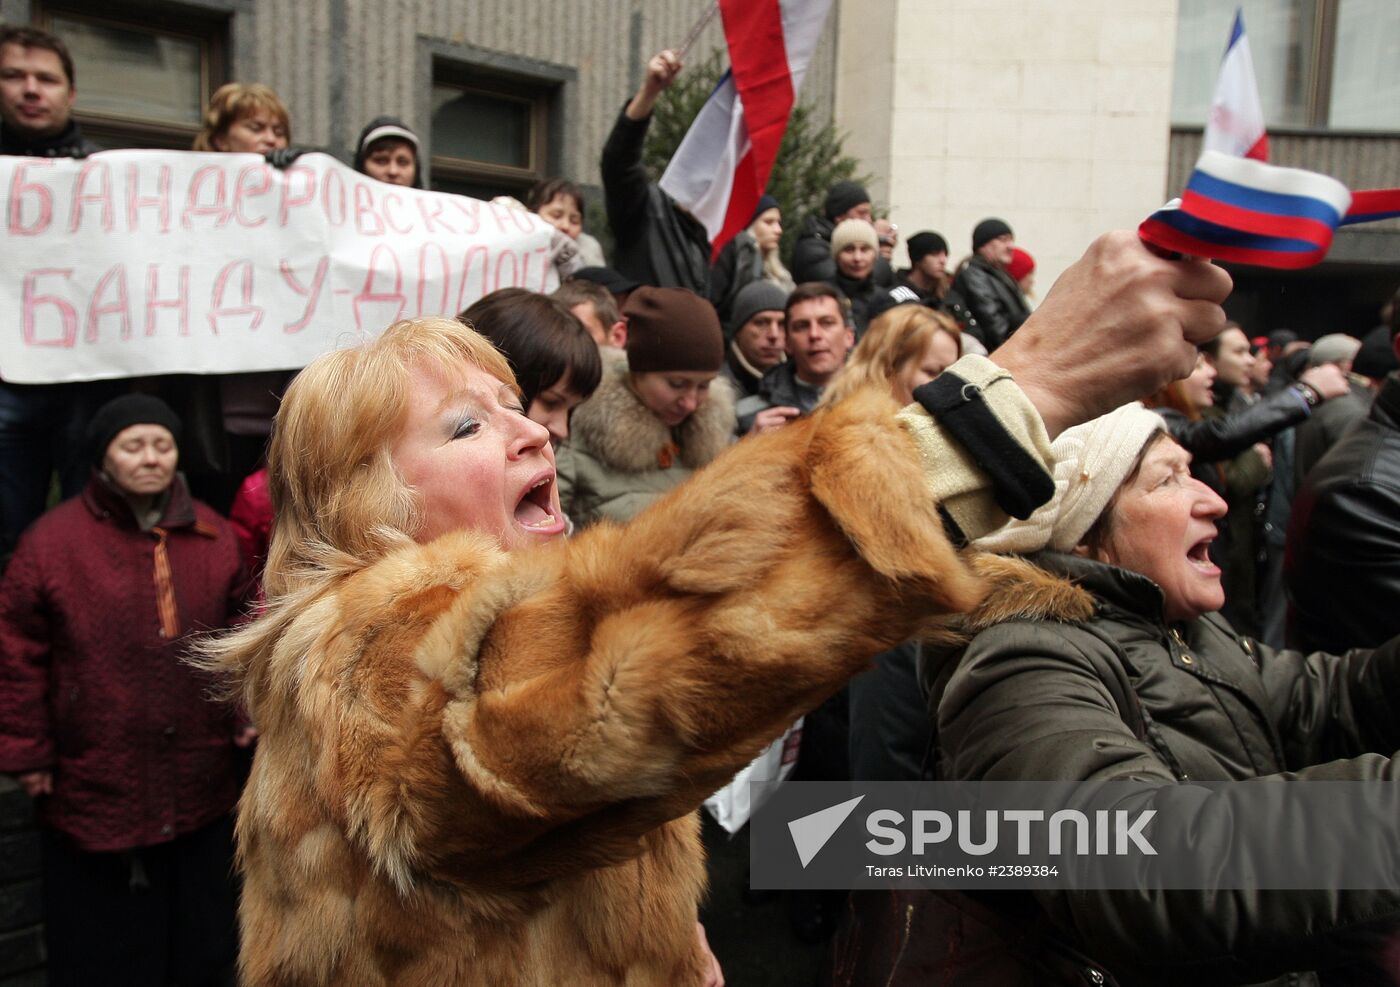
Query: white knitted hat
[1091, 462]
[853, 231]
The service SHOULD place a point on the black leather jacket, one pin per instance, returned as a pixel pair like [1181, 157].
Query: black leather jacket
[994, 300]
[1219, 437]
[656, 243]
[1342, 564]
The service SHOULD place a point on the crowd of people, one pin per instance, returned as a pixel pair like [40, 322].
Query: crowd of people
[508, 592]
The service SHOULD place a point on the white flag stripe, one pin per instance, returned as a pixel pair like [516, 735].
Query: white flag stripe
[1271, 178]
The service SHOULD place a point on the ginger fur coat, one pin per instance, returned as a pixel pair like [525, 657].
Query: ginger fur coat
[483, 769]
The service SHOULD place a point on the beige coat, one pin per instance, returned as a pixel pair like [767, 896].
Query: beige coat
[483, 769]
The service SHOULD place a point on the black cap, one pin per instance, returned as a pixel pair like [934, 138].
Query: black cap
[607, 278]
[987, 231]
[1282, 337]
[843, 197]
[765, 203]
[924, 243]
[882, 301]
[123, 412]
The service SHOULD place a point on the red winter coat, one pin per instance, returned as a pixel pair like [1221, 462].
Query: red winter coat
[95, 617]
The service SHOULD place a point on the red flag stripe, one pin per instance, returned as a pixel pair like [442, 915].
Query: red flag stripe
[1161, 235]
[753, 30]
[1252, 221]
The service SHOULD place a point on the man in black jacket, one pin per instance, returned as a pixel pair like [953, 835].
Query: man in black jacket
[1342, 564]
[991, 294]
[41, 425]
[656, 241]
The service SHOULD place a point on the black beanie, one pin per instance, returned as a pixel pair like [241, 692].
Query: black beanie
[987, 231]
[844, 196]
[123, 412]
[672, 329]
[754, 297]
[765, 203]
[925, 243]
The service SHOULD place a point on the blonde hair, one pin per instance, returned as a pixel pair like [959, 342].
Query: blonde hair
[234, 100]
[339, 502]
[892, 340]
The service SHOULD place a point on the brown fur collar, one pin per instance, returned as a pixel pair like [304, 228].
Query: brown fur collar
[618, 429]
[1016, 590]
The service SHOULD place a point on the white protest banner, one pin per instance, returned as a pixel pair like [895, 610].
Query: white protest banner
[154, 262]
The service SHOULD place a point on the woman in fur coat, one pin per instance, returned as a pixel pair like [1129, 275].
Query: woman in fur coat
[660, 413]
[482, 746]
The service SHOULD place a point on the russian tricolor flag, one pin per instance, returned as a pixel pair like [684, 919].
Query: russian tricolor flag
[722, 166]
[1236, 122]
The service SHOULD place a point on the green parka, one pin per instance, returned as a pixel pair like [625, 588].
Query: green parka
[1033, 698]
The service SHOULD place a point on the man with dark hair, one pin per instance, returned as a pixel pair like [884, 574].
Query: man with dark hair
[41, 425]
[991, 294]
[36, 96]
[1343, 540]
[819, 335]
[811, 254]
[928, 266]
[594, 306]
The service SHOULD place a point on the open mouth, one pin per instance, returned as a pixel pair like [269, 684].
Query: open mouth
[1199, 556]
[536, 509]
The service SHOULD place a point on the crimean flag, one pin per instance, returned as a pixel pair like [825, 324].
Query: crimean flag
[1236, 121]
[722, 166]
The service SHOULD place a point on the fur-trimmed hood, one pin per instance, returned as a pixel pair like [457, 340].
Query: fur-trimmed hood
[626, 436]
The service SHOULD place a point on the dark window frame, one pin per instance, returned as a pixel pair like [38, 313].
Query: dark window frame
[552, 88]
[209, 29]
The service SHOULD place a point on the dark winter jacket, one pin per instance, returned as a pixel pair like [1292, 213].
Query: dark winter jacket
[779, 388]
[655, 243]
[95, 619]
[739, 263]
[1329, 422]
[811, 254]
[67, 143]
[1033, 698]
[994, 299]
[863, 295]
[742, 376]
[1343, 559]
[1218, 437]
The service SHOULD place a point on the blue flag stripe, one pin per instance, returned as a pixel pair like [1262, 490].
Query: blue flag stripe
[1276, 203]
[1224, 235]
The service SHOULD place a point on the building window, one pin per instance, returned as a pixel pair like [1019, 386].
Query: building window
[1366, 75]
[488, 137]
[1319, 63]
[141, 84]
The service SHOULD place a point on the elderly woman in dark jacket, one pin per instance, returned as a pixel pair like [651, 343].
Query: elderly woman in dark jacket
[1109, 663]
[133, 765]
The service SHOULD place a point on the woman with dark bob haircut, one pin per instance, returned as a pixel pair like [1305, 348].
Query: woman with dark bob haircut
[556, 362]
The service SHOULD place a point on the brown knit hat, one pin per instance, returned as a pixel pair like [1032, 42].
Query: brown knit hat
[672, 329]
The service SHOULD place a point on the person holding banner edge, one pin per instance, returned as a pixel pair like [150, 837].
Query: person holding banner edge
[41, 425]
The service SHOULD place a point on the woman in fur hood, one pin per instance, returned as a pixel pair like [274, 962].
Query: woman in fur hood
[660, 413]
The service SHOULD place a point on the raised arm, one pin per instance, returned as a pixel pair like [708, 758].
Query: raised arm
[625, 179]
